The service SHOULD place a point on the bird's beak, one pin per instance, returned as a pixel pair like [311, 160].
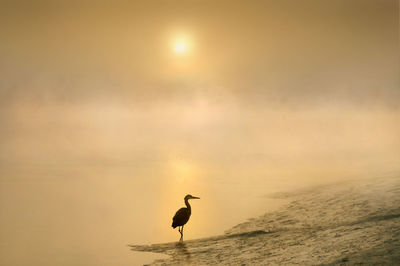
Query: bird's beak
[195, 198]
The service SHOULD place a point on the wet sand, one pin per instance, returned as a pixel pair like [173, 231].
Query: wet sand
[344, 223]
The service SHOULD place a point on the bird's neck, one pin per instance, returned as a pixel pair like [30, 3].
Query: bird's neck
[188, 205]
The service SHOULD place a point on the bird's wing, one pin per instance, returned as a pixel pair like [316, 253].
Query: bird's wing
[180, 214]
[181, 217]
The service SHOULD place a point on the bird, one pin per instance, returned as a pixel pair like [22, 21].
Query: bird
[182, 216]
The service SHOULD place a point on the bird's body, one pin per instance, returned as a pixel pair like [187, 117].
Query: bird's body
[182, 216]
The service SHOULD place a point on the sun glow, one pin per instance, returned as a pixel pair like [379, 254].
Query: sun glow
[181, 44]
[180, 47]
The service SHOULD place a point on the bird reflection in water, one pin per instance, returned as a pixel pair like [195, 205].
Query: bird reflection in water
[181, 254]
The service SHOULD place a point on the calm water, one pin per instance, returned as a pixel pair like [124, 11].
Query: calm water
[70, 217]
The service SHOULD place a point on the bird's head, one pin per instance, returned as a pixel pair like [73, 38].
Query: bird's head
[188, 197]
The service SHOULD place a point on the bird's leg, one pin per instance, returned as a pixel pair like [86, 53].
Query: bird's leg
[179, 230]
[182, 233]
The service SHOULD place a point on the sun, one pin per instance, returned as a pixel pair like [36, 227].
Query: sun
[181, 44]
[180, 47]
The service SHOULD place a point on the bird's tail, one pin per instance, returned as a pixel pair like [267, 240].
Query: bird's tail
[174, 225]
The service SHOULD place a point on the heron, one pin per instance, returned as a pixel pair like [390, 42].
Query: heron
[182, 215]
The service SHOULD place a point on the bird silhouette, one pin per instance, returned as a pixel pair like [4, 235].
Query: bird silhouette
[182, 216]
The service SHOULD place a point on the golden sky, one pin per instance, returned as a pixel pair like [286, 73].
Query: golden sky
[269, 52]
[256, 84]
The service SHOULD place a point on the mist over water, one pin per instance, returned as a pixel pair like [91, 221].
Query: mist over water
[104, 129]
[82, 181]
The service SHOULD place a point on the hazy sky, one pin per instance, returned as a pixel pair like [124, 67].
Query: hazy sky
[295, 52]
[253, 70]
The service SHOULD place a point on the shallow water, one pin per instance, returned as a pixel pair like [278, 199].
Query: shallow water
[349, 222]
[90, 221]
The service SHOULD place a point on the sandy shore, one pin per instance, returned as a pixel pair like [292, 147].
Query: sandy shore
[345, 223]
